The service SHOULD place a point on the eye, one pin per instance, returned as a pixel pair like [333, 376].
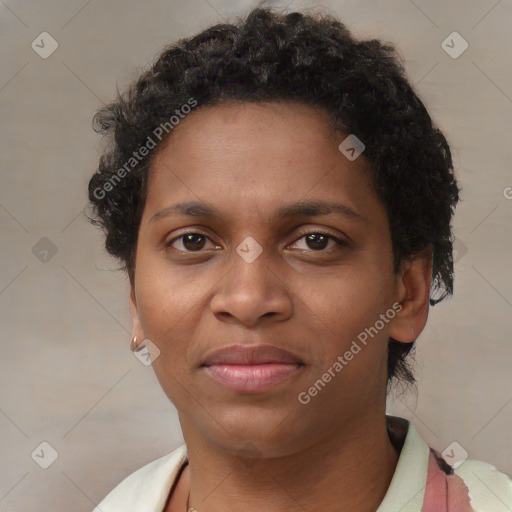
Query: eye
[316, 240]
[194, 241]
[191, 241]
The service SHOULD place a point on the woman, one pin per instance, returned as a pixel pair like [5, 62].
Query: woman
[281, 202]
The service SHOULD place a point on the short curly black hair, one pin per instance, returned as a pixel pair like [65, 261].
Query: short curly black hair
[306, 58]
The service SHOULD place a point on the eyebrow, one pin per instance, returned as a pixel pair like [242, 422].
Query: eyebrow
[203, 210]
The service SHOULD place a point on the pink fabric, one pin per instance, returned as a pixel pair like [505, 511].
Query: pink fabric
[444, 493]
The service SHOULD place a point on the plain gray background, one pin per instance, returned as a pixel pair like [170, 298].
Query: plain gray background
[68, 377]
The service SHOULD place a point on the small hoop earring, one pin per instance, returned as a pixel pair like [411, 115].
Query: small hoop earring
[133, 344]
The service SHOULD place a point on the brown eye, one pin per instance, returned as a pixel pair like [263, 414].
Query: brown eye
[318, 241]
[191, 241]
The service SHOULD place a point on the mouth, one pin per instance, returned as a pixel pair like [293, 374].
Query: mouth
[251, 369]
[251, 378]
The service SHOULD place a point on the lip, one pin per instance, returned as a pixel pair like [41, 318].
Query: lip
[250, 355]
[251, 378]
[251, 369]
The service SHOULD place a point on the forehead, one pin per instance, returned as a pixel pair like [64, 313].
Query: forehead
[279, 126]
[257, 155]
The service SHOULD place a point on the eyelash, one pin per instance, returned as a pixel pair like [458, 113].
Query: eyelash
[341, 243]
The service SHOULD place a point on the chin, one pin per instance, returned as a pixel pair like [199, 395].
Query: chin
[275, 434]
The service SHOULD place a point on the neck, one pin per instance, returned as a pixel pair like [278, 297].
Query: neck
[349, 470]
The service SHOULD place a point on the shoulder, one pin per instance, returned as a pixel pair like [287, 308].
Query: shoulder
[449, 482]
[147, 489]
[488, 488]
[473, 483]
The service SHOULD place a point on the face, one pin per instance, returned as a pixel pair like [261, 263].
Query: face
[309, 282]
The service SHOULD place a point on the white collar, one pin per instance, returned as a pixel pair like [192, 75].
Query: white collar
[147, 489]
[407, 488]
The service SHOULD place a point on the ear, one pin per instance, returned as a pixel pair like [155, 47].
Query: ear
[134, 312]
[412, 292]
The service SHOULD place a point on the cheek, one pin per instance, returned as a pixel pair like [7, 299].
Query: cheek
[168, 295]
[354, 357]
[167, 315]
[165, 312]
[349, 304]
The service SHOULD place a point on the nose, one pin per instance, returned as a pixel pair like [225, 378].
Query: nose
[252, 290]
